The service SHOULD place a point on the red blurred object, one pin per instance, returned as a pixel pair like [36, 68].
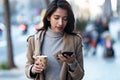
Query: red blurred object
[93, 43]
[22, 27]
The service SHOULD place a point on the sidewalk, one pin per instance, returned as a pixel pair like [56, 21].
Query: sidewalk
[100, 68]
[18, 73]
[14, 74]
[97, 68]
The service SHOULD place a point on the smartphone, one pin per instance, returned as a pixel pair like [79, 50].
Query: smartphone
[67, 53]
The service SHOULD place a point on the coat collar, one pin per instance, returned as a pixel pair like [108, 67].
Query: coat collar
[67, 45]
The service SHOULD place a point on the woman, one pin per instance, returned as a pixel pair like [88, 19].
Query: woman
[55, 38]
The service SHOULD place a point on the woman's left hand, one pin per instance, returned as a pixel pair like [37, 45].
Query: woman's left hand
[66, 58]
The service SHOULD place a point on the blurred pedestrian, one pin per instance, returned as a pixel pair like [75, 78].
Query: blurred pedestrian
[105, 25]
[107, 38]
[96, 34]
[55, 38]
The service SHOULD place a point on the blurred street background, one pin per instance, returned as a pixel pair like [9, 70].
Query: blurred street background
[98, 21]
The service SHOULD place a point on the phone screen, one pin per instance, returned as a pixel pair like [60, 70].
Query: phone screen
[67, 53]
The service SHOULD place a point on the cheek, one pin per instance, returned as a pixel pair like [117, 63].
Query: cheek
[53, 23]
[65, 24]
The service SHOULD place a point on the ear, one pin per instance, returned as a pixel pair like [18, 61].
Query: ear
[48, 18]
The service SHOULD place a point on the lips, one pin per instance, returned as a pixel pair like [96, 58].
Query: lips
[59, 28]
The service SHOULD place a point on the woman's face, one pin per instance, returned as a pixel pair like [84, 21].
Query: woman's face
[58, 20]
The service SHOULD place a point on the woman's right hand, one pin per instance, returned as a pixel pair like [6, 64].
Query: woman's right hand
[37, 67]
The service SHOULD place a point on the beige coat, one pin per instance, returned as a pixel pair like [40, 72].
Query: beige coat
[70, 43]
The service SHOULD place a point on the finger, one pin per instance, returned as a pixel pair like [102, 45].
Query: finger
[39, 67]
[73, 55]
[39, 70]
[66, 56]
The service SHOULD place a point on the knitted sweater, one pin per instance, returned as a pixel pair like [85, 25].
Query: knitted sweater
[51, 45]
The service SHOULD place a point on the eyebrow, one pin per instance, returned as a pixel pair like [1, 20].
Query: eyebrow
[59, 16]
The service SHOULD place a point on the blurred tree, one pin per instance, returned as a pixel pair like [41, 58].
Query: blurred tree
[8, 36]
[118, 8]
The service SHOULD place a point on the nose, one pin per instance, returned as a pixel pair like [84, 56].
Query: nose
[60, 22]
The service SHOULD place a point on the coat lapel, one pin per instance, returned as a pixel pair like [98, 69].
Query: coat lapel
[38, 42]
[68, 43]
[38, 46]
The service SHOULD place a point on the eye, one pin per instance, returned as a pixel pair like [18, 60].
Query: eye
[65, 18]
[56, 18]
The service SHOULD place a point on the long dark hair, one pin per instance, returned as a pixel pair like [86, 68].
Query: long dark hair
[52, 8]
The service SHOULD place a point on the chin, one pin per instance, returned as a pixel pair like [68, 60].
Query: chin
[59, 30]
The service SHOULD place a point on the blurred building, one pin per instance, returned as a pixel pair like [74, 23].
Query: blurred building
[26, 11]
[107, 9]
[118, 8]
[29, 10]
